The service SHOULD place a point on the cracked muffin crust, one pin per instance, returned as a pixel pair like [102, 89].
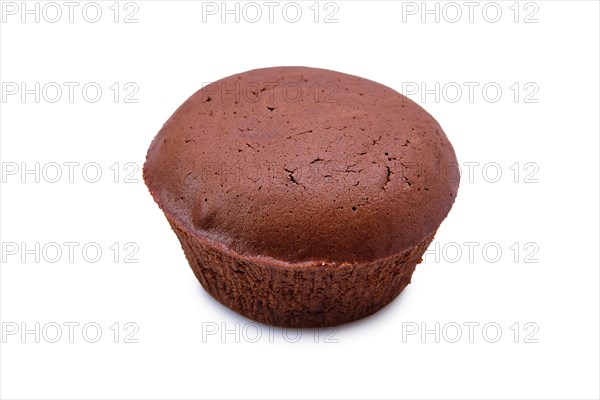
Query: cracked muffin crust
[302, 196]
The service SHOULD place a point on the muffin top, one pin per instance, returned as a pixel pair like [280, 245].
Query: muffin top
[303, 166]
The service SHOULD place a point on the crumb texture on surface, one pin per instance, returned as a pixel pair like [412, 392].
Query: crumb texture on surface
[301, 164]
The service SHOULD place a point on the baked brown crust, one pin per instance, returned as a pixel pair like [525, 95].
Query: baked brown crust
[292, 187]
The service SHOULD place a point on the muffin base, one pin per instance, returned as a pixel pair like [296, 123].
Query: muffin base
[299, 296]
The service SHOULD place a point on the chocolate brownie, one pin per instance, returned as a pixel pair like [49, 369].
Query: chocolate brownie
[302, 197]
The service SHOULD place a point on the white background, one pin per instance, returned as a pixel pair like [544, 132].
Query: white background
[170, 53]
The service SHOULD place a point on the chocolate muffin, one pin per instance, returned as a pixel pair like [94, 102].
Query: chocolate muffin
[302, 197]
